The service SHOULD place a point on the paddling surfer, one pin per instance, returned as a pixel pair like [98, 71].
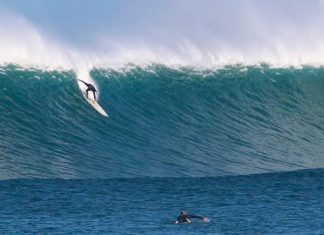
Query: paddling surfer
[184, 217]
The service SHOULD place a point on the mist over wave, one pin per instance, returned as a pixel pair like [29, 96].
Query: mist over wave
[165, 122]
[186, 33]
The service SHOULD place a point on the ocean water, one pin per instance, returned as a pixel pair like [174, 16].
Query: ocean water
[274, 203]
[242, 145]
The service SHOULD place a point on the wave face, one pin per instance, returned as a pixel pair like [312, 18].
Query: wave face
[165, 122]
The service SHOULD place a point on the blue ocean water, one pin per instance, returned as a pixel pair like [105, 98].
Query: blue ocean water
[275, 203]
[241, 145]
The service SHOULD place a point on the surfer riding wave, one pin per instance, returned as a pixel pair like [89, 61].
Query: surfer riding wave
[90, 88]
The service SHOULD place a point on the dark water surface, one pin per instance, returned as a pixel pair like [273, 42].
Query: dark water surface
[276, 203]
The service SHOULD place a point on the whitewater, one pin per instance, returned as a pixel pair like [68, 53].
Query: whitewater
[199, 34]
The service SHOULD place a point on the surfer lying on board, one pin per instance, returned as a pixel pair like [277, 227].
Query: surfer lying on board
[184, 217]
[90, 88]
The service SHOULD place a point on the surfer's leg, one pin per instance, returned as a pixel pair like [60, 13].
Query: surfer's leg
[94, 95]
[87, 92]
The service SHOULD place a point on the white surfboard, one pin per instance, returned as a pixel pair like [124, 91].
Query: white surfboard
[94, 104]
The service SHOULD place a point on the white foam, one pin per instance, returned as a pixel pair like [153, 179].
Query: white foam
[21, 43]
[216, 35]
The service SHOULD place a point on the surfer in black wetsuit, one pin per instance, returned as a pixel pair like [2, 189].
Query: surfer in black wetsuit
[184, 217]
[90, 88]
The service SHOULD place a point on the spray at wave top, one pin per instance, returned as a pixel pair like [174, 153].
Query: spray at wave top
[188, 33]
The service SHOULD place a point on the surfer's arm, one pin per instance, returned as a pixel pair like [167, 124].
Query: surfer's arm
[195, 217]
[84, 82]
[205, 219]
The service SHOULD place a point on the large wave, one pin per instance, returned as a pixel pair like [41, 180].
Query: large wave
[165, 122]
[196, 88]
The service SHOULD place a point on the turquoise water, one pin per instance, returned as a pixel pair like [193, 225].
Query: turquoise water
[177, 138]
[164, 123]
